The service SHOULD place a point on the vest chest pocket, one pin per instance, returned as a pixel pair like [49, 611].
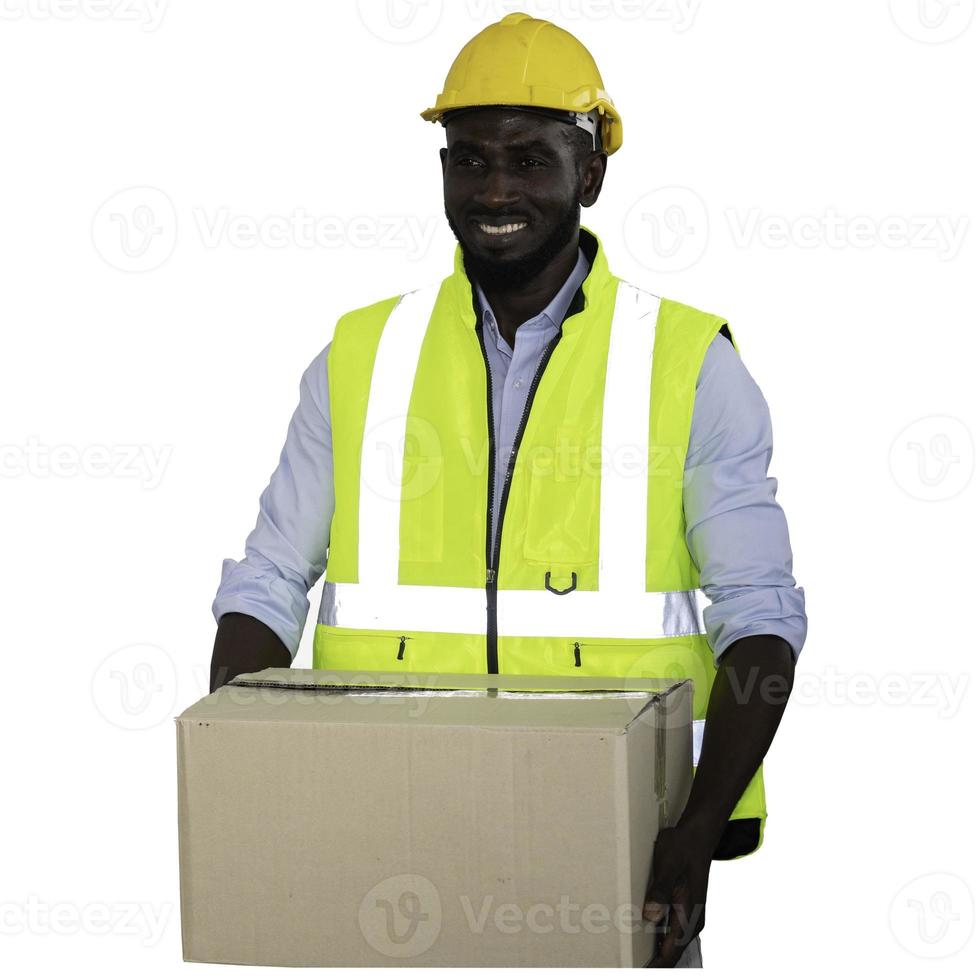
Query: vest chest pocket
[348, 649]
[563, 501]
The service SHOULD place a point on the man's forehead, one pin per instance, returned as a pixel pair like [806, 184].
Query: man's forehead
[494, 124]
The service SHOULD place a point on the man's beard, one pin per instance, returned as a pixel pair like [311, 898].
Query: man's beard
[511, 273]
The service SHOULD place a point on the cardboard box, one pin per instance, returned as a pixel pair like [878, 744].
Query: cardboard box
[346, 819]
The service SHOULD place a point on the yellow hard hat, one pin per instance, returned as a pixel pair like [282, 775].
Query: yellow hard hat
[523, 61]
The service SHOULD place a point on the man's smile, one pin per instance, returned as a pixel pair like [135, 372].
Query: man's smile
[499, 228]
[507, 229]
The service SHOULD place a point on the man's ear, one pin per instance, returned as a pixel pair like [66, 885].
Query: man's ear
[443, 153]
[593, 174]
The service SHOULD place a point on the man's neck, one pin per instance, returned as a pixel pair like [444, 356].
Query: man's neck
[512, 307]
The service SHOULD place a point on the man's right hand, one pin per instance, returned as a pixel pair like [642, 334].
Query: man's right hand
[244, 644]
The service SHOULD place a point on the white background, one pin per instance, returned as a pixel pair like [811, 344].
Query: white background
[808, 171]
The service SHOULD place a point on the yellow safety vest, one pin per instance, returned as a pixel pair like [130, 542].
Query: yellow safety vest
[590, 573]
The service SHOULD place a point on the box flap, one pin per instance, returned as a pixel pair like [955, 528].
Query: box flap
[294, 677]
[405, 698]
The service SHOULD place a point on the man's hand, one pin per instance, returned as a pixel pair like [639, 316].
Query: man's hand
[242, 645]
[677, 891]
[748, 697]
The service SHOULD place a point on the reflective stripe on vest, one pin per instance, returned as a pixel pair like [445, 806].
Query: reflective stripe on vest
[621, 608]
[382, 464]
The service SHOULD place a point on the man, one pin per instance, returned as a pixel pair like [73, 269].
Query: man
[450, 447]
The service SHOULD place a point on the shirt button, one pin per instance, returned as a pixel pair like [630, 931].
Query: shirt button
[518, 383]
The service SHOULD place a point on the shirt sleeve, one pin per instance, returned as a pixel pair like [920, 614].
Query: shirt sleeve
[286, 552]
[736, 531]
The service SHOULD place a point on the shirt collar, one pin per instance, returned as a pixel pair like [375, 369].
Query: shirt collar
[552, 315]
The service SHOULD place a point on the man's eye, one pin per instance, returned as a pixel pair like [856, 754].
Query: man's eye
[531, 163]
[467, 162]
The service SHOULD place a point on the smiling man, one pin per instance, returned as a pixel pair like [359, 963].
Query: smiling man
[535, 467]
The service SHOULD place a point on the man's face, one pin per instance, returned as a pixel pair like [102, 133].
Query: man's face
[513, 184]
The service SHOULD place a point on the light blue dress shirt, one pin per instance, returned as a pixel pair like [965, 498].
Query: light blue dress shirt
[736, 531]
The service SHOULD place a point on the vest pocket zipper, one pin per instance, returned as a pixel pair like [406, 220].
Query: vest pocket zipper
[598, 649]
[358, 636]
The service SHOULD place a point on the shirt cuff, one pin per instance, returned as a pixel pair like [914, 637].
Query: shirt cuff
[247, 587]
[737, 613]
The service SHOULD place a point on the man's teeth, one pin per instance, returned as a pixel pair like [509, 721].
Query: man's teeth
[503, 229]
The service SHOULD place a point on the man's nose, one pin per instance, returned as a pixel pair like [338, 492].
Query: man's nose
[498, 190]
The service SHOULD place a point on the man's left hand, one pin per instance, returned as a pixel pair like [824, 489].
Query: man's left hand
[677, 890]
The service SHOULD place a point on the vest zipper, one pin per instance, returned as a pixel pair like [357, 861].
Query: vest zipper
[493, 546]
[491, 571]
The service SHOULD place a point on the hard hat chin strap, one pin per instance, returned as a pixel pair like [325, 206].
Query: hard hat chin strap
[589, 121]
